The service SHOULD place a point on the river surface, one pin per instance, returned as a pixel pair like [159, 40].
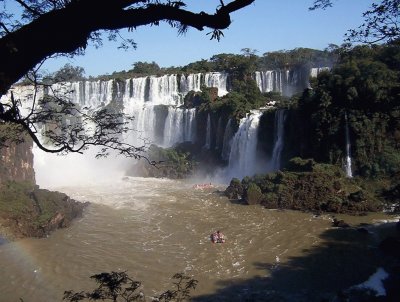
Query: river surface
[154, 228]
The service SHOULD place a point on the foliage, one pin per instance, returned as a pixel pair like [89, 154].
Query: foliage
[146, 68]
[68, 73]
[118, 286]
[361, 91]
[170, 162]
[310, 186]
[297, 58]
[381, 22]
[31, 211]
[234, 190]
[253, 194]
[244, 97]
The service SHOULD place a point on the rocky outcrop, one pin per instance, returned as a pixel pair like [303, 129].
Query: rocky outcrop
[25, 209]
[308, 186]
[28, 211]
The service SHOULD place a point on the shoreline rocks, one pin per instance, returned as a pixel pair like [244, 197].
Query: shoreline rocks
[28, 211]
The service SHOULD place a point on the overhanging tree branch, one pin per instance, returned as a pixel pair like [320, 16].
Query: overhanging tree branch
[68, 29]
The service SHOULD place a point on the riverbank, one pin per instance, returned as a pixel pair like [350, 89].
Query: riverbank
[28, 211]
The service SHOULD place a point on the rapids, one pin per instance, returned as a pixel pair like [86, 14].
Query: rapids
[153, 228]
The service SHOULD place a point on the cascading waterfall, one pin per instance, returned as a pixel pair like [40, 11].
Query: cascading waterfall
[286, 81]
[179, 126]
[267, 80]
[218, 80]
[155, 103]
[243, 159]
[208, 133]
[283, 81]
[140, 98]
[349, 172]
[193, 82]
[314, 72]
[227, 141]
[275, 162]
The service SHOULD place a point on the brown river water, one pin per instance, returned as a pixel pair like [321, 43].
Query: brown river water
[153, 228]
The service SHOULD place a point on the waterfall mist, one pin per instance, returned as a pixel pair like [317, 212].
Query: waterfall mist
[243, 157]
[52, 170]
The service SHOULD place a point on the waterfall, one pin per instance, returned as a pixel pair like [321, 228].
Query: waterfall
[218, 80]
[275, 80]
[314, 72]
[179, 126]
[243, 159]
[267, 80]
[349, 173]
[280, 116]
[164, 90]
[140, 98]
[208, 133]
[287, 81]
[135, 91]
[189, 130]
[227, 140]
[191, 82]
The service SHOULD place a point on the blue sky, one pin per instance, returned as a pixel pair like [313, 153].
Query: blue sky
[267, 25]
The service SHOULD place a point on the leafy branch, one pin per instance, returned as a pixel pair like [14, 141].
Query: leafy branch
[118, 286]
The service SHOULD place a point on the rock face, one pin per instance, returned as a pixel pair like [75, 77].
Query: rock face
[25, 209]
[16, 162]
[28, 211]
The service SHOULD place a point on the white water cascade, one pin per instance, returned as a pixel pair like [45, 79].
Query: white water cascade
[227, 140]
[349, 172]
[179, 126]
[286, 81]
[193, 82]
[270, 80]
[153, 101]
[275, 162]
[208, 133]
[317, 70]
[243, 159]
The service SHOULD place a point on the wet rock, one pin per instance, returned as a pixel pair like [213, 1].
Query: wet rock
[340, 223]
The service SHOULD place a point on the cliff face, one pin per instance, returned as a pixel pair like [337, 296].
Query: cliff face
[25, 209]
[16, 162]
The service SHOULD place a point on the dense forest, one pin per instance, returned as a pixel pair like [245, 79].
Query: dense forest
[360, 93]
[238, 65]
